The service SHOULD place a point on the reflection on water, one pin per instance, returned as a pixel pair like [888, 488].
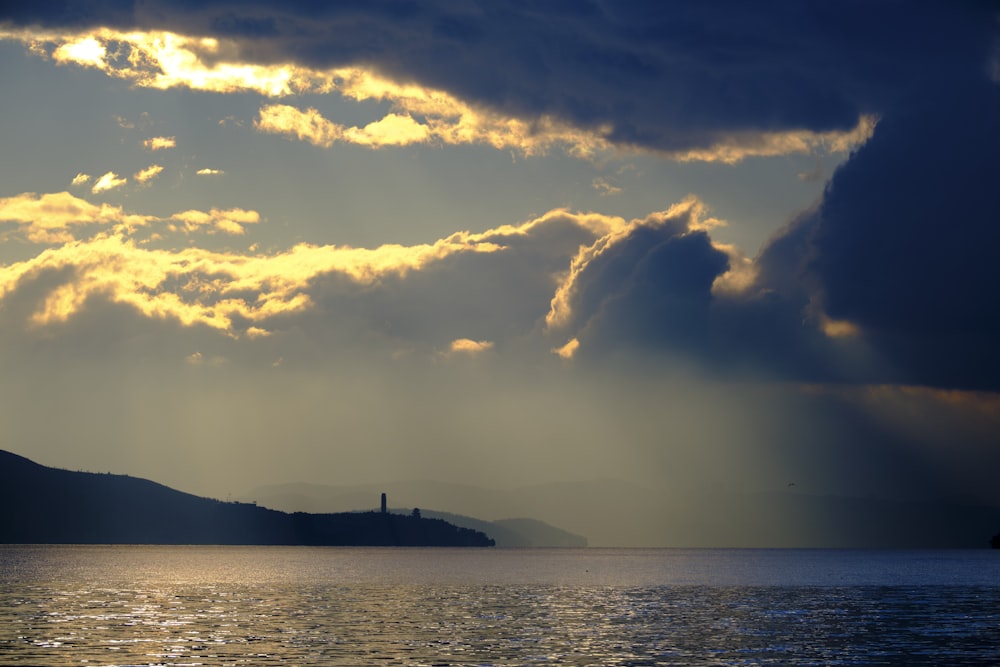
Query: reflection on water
[291, 606]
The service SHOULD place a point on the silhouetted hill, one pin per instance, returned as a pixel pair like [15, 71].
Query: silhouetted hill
[44, 505]
[513, 532]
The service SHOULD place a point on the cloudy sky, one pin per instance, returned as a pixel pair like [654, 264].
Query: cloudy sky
[691, 246]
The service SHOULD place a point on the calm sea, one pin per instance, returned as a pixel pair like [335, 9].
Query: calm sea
[141, 605]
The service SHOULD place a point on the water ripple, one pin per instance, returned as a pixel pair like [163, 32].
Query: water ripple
[327, 608]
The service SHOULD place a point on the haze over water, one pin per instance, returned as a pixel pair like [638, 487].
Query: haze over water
[127, 605]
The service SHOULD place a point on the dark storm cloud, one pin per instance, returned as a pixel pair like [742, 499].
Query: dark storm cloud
[668, 75]
[902, 246]
[653, 292]
[654, 288]
[908, 238]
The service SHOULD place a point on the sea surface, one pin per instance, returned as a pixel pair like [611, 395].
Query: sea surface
[152, 605]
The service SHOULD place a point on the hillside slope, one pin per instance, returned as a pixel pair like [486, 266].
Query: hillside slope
[52, 506]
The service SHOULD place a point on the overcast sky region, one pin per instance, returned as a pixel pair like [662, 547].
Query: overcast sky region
[702, 248]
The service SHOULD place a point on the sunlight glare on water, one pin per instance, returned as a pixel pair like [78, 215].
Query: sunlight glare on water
[96, 605]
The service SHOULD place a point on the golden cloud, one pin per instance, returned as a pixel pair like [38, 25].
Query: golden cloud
[47, 218]
[308, 125]
[469, 346]
[191, 286]
[738, 147]
[229, 221]
[87, 50]
[160, 143]
[108, 181]
[394, 129]
[164, 60]
[838, 328]
[235, 294]
[742, 272]
[58, 217]
[568, 350]
[148, 174]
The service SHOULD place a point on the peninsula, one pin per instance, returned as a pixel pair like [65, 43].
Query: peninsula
[42, 505]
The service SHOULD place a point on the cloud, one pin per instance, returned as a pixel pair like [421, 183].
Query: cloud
[568, 350]
[445, 120]
[108, 181]
[230, 221]
[469, 347]
[160, 143]
[48, 218]
[427, 108]
[164, 60]
[584, 286]
[889, 279]
[391, 130]
[715, 80]
[209, 172]
[308, 125]
[87, 51]
[736, 147]
[605, 187]
[651, 285]
[81, 179]
[148, 174]
[233, 294]
[63, 218]
[683, 218]
[661, 287]
[905, 242]
[462, 293]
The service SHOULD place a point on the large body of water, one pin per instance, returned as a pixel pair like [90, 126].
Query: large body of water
[143, 605]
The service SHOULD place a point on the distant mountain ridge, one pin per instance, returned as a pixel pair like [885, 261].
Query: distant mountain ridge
[515, 532]
[43, 505]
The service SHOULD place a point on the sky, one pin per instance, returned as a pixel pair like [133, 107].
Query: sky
[702, 248]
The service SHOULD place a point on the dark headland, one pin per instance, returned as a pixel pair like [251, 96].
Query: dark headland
[42, 505]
